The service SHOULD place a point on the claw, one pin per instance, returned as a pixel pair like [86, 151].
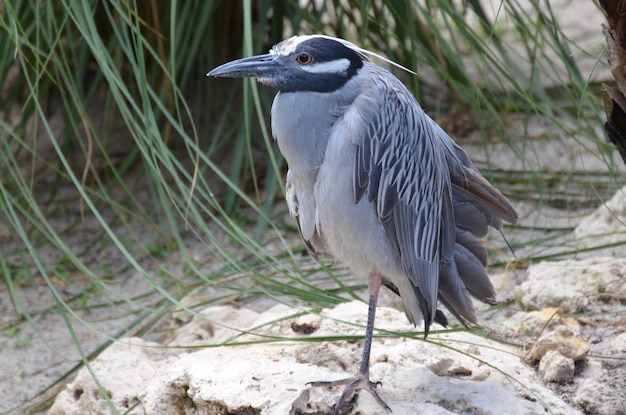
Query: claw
[353, 384]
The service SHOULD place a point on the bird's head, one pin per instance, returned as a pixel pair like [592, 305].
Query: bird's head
[313, 63]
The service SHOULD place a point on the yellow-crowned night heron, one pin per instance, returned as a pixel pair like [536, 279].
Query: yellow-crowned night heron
[377, 184]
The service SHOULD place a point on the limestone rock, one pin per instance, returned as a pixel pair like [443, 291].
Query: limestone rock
[445, 375]
[554, 367]
[534, 323]
[561, 340]
[597, 399]
[604, 227]
[574, 285]
[617, 346]
[123, 370]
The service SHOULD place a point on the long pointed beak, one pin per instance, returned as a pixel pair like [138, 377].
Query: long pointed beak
[252, 67]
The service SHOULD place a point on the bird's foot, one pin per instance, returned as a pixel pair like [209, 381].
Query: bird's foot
[353, 384]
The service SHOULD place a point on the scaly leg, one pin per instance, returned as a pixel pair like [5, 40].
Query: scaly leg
[361, 380]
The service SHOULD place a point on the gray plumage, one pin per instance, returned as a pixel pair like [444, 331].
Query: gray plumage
[372, 165]
[376, 183]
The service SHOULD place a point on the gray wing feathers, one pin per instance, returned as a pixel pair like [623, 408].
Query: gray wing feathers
[402, 229]
[452, 290]
[473, 275]
[471, 218]
[468, 185]
[474, 188]
[472, 245]
[432, 200]
[453, 295]
[399, 168]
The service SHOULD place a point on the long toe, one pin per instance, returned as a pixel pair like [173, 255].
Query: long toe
[352, 385]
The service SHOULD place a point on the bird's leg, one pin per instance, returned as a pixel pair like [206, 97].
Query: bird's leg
[361, 380]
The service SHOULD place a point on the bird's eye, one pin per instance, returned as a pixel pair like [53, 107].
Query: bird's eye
[304, 59]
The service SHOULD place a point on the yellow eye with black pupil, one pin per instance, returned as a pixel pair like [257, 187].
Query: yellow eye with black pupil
[304, 59]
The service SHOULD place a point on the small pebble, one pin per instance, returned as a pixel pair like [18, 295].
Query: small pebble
[554, 367]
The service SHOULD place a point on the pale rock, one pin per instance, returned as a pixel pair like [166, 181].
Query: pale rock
[604, 227]
[306, 324]
[617, 346]
[257, 379]
[442, 376]
[123, 370]
[212, 325]
[279, 321]
[574, 285]
[562, 340]
[448, 367]
[534, 323]
[595, 398]
[554, 367]
[591, 368]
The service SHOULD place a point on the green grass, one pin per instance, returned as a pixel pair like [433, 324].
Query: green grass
[122, 161]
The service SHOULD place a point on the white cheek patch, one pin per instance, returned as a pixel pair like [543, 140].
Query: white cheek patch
[336, 66]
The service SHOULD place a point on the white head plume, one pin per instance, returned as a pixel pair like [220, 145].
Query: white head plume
[289, 45]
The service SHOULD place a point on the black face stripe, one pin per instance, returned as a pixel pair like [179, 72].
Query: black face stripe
[295, 73]
[328, 50]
